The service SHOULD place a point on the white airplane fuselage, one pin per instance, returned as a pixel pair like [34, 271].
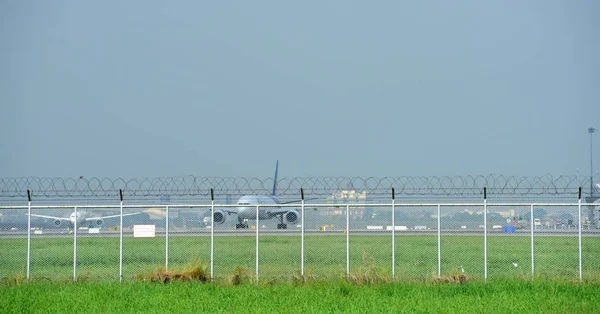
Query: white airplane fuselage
[80, 218]
[246, 208]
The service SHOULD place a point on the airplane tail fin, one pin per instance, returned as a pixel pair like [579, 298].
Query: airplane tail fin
[275, 179]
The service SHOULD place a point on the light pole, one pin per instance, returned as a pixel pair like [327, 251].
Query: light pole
[591, 131]
[592, 198]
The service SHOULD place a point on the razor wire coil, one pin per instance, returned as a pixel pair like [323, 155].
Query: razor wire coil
[97, 187]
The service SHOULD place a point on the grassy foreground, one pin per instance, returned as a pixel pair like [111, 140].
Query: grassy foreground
[556, 258]
[338, 296]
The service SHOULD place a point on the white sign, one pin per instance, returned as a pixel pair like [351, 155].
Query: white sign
[144, 231]
[397, 228]
[37, 232]
[94, 230]
[374, 227]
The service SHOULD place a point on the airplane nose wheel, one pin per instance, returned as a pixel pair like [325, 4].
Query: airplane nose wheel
[281, 225]
[242, 224]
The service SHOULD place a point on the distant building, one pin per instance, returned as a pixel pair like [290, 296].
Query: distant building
[507, 213]
[504, 213]
[347, 196]
[472, 212]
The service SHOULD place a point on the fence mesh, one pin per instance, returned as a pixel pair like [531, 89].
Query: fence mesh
[342, 240]
[509, 242]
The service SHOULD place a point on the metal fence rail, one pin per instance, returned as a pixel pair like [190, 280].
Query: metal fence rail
[359, 241]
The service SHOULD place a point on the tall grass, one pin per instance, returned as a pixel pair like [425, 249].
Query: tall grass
[337, 296]
[325, 257]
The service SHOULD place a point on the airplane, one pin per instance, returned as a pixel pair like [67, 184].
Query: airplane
[81, 217]
[246, 212]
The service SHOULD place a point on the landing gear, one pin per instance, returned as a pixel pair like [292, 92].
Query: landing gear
[281, 225]
[242, 224]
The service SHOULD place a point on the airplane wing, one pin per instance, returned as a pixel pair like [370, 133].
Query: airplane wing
[51, 217]
[229, 210]
[111, 216]
[298, 201]
[283, 210]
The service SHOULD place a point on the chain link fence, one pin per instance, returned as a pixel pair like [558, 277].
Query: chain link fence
[360, 241]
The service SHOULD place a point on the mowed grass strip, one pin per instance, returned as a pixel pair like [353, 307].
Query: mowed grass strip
[556, 257]
[337, 296]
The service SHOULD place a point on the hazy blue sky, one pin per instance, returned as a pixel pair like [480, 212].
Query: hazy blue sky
[330, 88]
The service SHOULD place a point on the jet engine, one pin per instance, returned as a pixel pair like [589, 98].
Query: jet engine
[291, 217]
[98, 222]
[57, 222]
[218, 216]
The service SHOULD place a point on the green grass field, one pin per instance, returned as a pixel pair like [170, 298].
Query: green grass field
[325, 257]
[332, 297]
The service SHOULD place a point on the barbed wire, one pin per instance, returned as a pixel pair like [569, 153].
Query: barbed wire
[200, 186]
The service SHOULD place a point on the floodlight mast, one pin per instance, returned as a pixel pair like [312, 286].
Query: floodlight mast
[591, 131]
[593, 197]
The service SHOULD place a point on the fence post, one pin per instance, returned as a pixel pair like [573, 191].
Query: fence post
[532, 225]
[439, 239]
[393, 233]
[28, 233]
[121, 237]
[75, 246]
[257, 221]
[485, 255]
[167, 238]
[302, 236]
[212, 235]
[579, 236]
[347, 241]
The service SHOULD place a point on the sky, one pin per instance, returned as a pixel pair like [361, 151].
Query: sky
[152, 88]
